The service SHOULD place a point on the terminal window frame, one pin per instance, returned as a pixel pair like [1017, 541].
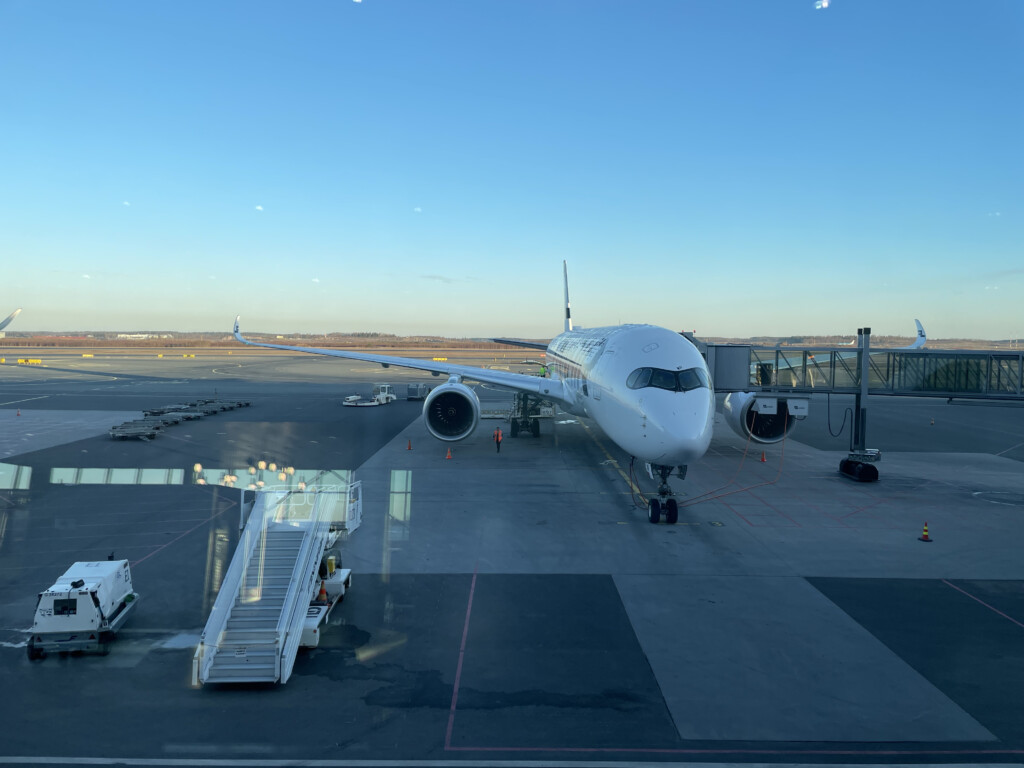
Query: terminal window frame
[672, 381]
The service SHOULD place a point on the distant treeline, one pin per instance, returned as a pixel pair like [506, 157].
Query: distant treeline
[370, 340]
[332, 341]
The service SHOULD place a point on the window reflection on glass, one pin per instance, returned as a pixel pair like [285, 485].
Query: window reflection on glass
[115, 476]
[14, 477]
[396, 524]
[282, 478]
[217, 557]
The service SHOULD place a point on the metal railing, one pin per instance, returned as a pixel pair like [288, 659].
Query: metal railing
[996, 375]
[321, 511]
[206, 652]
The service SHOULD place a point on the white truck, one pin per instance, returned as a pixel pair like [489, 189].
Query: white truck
[382, 395]
[83, 609]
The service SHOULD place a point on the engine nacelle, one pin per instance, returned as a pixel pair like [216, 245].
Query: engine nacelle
[451, 411]
[745, 419]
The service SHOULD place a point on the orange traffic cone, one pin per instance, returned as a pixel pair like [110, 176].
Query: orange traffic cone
[763, 459]
[449, 454]
[322, 594]
[409, 448]
[19, 411]
[924, 536]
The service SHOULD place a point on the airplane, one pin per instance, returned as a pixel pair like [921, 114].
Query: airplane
[7, 320]
[647, 388]
[919, 341]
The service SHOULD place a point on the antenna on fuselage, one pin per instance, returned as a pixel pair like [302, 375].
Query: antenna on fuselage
[568, 314]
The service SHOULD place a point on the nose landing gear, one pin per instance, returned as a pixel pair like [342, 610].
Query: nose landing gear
[665, 502]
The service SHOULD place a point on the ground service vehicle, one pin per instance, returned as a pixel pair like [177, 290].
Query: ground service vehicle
[417, 391]
[83, 609]
[382, 395]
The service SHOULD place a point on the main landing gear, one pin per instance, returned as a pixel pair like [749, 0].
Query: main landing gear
[665, 503]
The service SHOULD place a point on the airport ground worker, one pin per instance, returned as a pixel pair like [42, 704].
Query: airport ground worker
[497, 438]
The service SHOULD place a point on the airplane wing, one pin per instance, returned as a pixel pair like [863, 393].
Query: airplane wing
[517, 343]
[8, 319]
[549, 389]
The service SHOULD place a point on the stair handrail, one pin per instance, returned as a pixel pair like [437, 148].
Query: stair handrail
[305, 576]
[209, 640]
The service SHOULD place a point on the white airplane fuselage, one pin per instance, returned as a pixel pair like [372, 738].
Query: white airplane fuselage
[655, 424]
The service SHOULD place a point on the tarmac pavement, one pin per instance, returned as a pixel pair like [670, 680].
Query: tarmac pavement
[518, 606]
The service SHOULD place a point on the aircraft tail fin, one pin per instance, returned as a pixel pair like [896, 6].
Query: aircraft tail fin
[921, 339]
[6, 321]
[568, 314]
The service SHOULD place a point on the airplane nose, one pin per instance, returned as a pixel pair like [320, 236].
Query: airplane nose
[685, 431]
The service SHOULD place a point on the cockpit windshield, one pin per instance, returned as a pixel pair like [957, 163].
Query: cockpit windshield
[674, 381]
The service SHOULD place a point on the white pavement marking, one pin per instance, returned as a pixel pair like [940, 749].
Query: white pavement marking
[12, 402]
[1014, 498]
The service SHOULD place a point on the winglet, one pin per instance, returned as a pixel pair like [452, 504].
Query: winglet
[10, 317]
[238, 333]
[568, 314]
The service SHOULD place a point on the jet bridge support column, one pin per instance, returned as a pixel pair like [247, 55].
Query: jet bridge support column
[860, 463]
[860, 421]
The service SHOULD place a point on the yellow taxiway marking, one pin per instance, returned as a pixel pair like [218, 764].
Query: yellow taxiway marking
[613, 462]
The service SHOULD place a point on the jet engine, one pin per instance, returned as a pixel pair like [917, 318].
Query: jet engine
[451, 411]
[746, 420]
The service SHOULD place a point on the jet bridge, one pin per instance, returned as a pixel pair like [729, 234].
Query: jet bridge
[787, 375]
[255, 628]
[976, 374]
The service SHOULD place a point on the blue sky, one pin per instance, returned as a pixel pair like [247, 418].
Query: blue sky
[734, 167]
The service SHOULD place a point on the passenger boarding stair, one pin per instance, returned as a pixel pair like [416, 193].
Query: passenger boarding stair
[254, 630]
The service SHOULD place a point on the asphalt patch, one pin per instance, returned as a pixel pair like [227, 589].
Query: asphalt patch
[552, 662]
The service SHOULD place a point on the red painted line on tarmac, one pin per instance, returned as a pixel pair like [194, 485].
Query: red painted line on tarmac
[857, 510]
[458, 669]
[735, 511]
[775, 509]
[977, 599]
[821, 512]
